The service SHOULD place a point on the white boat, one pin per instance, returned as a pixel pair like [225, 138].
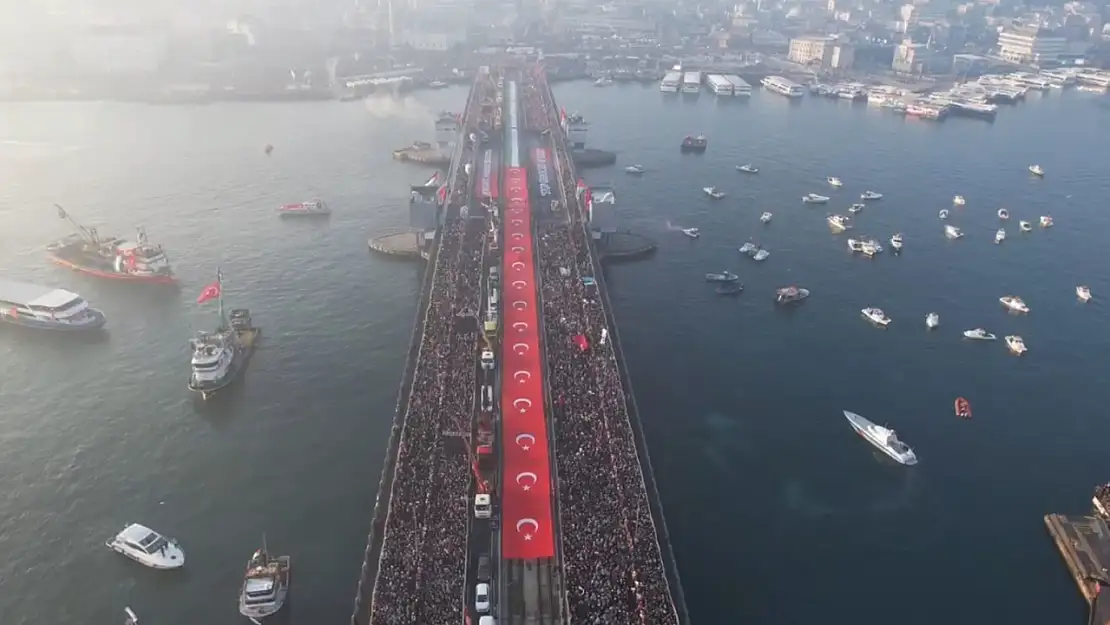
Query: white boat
[1046, 221]
[1025, 226]
[876, 316]
[896, 242]
[724, 276]
[1003, 213]
[748, 169]
[855, 245]
[871, 195]
[959, 200]
[129, 616]
[760, 255]
[45, 308]
[693, 233]
[713, 192]
[147, 547]
[604, 81]
[1016, 344]
[1083, 293]
[838, 223]
[870, 248]
[943, 214]
[952, 232]
[855, 208]
[265, 585]
[834, 181]
[979, 334]
[311, 208]
[1014, 303]
[748, 248]
[635, 170]
[813, 198]
[765, 218]
[932, 320]
[1000, 236]
[883, 438]
[1036, 170]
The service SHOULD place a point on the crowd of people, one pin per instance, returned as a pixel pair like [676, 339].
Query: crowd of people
[611, 555]
[421, 570]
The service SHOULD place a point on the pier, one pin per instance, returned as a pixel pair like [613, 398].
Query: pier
[399, 245]
[1084, 543]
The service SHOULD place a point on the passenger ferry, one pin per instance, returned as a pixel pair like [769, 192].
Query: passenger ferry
[740, 87]
[782, 86]
[691, 83]
[671, 83]
[44, 308]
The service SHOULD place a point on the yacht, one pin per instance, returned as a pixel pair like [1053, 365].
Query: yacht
[748, 169]
[635, 170]
[883, 438]
[871, 195]
[932, 320]
[979, 334]
[45, 308]
[265, 585]
[311, 208]
[1000, 236]
[713, 192]
[1016, 344]
[855, 208]
[147, 547]
[952, 232]
[1036, 170]
[1046, 221]
[748, 248]
[1025, 226]
[1083, 293]
[896, 242]
[790, 294]
[855, 245]
[765, 218]
[959, 200]
[870, 248]
[838, 223]
[693, 233]
[1014, 303]
[943, 214]
[834, 181]
[876, 316]
[724, 276]
[813, 198]
[760, 255]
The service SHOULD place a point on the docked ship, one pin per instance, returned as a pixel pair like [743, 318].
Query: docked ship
[220, 356]
[783, 86]
[883, 438]
[112, 258]
[44, 308]
[693, 144]
[265, 585]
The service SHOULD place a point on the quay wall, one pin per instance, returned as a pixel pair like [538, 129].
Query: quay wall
[662, 534]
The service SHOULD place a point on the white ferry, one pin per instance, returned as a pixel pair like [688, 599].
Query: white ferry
[783, 86]
[691, 83]
[740, 87]
[719, 85]
[671, 83]
[44, 308]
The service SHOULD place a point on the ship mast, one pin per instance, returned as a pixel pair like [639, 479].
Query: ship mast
[220, 289]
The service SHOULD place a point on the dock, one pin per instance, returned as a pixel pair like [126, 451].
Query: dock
[1084, 543]
[399, 245]
[623, 245]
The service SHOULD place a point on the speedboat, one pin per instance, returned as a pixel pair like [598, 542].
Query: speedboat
[1036, 170]
[1003, 213]
[871, 195]
[748, 169]
[724, 276]
[765, 218]
[932, 320]
[963, 408]
[1014, 303]
[855, 208]
[693, 233]
[834, 181]
[813, 198]
[760, 255]
[838, 223]
[147, 547]
[876, 316]
[1083, 293]
[265, 585]
[635, 170]
[713, 192]
[790, 294]
[952, 232]
[1016, 344]
[896, 242]
[1000, 236]
[943, 214]
[959, 200]
[979, 334]
[1025, 226]
[730, 289]
[311, 208]
[1046, 221]
[883, 438]
[855, 245]
[748, 248]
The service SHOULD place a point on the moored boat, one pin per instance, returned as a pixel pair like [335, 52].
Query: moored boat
[884, 438]
[834, 181]
[838, 223]
[45, 308]
[693, 233]
[1014, 303]
[876, 316]
[1016, 344]
[129, 616]
[634, 169]
[760, 255]
[855, 208]
[963, 408]
[147, 547]
[943, 214]
[311, 208]
[1025, 226]
[952, 232]
[855, 245]
[979, 334]
[870, 248]
[1046, 221]
[790, 294]
[896, 242]
[265, 585]
[1083, 293]
[732, 288]
[813, 198]
[932, 320]
[112, 258]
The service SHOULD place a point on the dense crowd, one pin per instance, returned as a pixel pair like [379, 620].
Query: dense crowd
[421, 571]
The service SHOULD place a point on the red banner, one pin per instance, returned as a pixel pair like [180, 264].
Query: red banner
[527, 531]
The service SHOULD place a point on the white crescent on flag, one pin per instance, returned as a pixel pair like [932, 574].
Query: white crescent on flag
[525, 437]
[520, 304]
[522, 376]
[520, 326]
[522, 404]
[526, 476]
[519, 284]
[519, 250]
[518, 265]
[520, 348]
[524, 522]
[516, 222]
[518, 235]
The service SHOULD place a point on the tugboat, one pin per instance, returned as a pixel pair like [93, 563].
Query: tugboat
[219, 357]
[115, 259]
[265, 585]
[696, 145]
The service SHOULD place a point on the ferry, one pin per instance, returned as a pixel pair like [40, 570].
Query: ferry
[691, 83]
[116, 259]
[44, 308]
[783, 86]
[311, 208]
[671, 83]
[693, 144]
[147, 547]
[265, 585]
[883, 438]
[740, 87]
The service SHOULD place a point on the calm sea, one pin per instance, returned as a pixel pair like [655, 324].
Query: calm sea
[779, 514]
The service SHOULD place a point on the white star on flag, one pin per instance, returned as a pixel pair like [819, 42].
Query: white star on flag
[527, 537]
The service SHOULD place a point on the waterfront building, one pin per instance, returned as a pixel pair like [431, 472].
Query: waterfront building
[1030, 44]
[910, 58]
[806, 50]
[843, 56]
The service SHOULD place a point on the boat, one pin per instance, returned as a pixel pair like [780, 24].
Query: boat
[696, 144]
[1016, 344]
[932, 320]
[790, 294]
[838, 223]
[871, 195]
[959, 200]
[952, 232]
[730, 289]
[748, 248]
[883, 438]
[855, 245]
[713, 192]
[265, 585]
[760, 255]
[943, 214]
[45, 308]
[220, 356]
[870, 247]
[724, 276]
[1083, 293]
[979, 334]
[1046, 221]
[1025, 226]
[813, 198]
[876, 316]
[765, 218]
[438, 84]
[1000, 236]
[635, 170]
[748, 169]
[604, 81]
[1036, 170]
[1003, 213]
[963, 408]
[129, 616]
[311, 208]
[834, 181]
[112, 258]
[855, 208]
[1014, 303]
[693, 233]
[147, 547]
[896, 242]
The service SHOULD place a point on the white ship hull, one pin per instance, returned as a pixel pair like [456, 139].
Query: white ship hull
[877, 436]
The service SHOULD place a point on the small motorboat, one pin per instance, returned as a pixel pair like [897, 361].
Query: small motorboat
[979, 334]
[1003, 213]
[855, 208]
[855, 245]
[748, 248]
[813, 198]
[838, 223]
[876, 316]
[871, 195]
[790, 294]
[760, 255]
[1014, 303]
[724, 276]
[311, 208]
[896, 242]
[1083, 293]
[932, 320]
[834, 181]
[1000, 236]
[1046, 221]
[635, 170]
[1016, 344]
[943, 214]
[870, 248]
[1025, 226]
[733, 288]
[713, 192]
[693, 233]
[959, 200]
[765, 218]
[1036, 170]
[952, 232]
[963, 408]
[748, 169]
[147, 547]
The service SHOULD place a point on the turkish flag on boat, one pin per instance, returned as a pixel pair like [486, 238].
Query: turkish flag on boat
[212, 291]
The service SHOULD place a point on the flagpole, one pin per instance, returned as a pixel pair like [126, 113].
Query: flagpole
[220, 289]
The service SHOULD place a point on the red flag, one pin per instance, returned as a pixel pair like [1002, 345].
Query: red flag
[212, 291]
[443, 193]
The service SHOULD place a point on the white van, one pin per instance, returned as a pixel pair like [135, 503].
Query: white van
[481, 597]
[487, 620]
[482, 507]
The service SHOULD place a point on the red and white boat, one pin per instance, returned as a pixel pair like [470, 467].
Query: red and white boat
[87, 252]
[311, 208]
[963, 408]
